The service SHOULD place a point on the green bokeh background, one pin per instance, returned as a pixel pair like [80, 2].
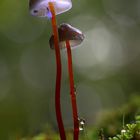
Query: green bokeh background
[106, 65]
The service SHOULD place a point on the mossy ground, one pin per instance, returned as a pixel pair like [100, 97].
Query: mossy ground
[111, 126]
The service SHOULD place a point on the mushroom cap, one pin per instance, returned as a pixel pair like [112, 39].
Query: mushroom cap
[67, 33]
[40, 8]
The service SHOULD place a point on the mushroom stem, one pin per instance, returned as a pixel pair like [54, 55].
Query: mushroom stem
[58, 75]
[72, 92]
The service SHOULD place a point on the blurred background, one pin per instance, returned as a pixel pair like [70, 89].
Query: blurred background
[106, 66]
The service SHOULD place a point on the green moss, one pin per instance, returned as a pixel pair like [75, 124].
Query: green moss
[129, 132]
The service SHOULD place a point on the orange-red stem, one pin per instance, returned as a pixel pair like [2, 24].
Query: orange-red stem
[72, 93]
[58, 75]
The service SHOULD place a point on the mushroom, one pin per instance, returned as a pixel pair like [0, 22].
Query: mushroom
[41, 8]
[51, 8]
[70, 37]
[67, 32]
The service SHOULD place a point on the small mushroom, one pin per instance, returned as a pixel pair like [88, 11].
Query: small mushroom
[40, 8]
[70, 37]
[51, 8]
[67, 32]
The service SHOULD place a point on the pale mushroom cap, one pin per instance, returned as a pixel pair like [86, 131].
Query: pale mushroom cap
[67, 33]
[40, 8]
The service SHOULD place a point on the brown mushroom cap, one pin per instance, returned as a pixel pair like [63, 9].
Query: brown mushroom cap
[67, 33]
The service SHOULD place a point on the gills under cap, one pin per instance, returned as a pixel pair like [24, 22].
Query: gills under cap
[40, 8]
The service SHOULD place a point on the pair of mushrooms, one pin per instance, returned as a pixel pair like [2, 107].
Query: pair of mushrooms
[63, 37]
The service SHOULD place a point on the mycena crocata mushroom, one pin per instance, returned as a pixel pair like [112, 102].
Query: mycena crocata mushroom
[41, 8]
[50, 8]
[70, 37]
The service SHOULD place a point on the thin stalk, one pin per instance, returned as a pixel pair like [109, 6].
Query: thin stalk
[58, 75]
[123, 120]
[72, 93]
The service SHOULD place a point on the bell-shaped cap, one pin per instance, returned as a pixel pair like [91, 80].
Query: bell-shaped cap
[40, 8]
[67, 33]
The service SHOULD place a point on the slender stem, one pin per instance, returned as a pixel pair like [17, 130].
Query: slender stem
[58, 74]
[72, 93]
[123, 120]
